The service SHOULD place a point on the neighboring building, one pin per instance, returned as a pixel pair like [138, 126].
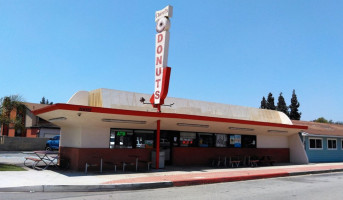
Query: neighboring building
[323, 142]
[114, 124]
[34, 126]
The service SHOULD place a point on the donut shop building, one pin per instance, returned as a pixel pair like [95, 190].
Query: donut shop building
[117, 125]
[113, 125]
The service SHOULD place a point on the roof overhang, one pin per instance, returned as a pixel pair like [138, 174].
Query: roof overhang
[68, 115]
[320, 135]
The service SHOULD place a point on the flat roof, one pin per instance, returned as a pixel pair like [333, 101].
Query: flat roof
[98, 116]
[109, 98]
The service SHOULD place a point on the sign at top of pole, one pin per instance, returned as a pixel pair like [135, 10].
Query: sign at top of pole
[162, 71]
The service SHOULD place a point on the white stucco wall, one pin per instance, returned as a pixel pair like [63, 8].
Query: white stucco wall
[70, 137]
[297, 151]
[268, 141]
[95, 137]
[87, 137]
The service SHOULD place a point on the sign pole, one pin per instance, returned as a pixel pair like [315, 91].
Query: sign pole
[158, 144]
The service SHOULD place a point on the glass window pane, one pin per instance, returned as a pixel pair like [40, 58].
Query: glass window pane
[332, 144]
[121, 138]
[144, 139]
[187, 139]
[319, 144]
[221, 140]
[312, 143]
[112, 137]
[205, 140]
[249, 141]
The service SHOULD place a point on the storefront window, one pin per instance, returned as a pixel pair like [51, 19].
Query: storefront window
[144, 139]
[187, 139]
[221, 140]
[206, 140]
[249, 141]
[112, 137]
[121, 138]
[235, 141]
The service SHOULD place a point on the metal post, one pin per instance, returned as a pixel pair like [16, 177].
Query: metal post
[101, 165]
[158, 144]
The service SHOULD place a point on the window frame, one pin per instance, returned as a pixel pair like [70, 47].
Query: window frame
[341, 144]
[327, 142]
[314, 138]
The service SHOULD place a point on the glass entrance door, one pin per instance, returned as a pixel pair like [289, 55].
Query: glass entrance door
[168, 140]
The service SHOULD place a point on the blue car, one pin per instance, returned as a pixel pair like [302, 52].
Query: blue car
[53, 143]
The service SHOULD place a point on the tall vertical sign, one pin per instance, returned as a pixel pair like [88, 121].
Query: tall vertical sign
[162, 72]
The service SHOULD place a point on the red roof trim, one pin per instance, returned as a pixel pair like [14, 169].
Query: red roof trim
[160, 115]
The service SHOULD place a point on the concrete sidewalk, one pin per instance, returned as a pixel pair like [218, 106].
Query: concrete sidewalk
[57, 180]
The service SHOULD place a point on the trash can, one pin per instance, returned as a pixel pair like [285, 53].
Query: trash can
[161, 161]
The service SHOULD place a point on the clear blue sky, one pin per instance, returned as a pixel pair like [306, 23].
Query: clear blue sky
[232, 52]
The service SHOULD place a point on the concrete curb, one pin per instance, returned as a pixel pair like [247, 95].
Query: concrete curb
[315, 172]
[153, 185]
[227, 179]
[88, 188]
[249, 177]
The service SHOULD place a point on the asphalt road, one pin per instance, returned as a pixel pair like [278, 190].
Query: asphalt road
[321, 186]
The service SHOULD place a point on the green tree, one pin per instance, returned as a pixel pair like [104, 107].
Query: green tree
[270, 102]
[321, 120]
[9, 103]
[294, 112]
[263, 103]
[281, 105]
[42, 101]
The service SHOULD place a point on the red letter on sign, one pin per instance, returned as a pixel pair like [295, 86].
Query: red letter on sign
[158, 71]
[159, 49]
[158, 82]
[159, 38]
[157, 94]
[159, 60]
